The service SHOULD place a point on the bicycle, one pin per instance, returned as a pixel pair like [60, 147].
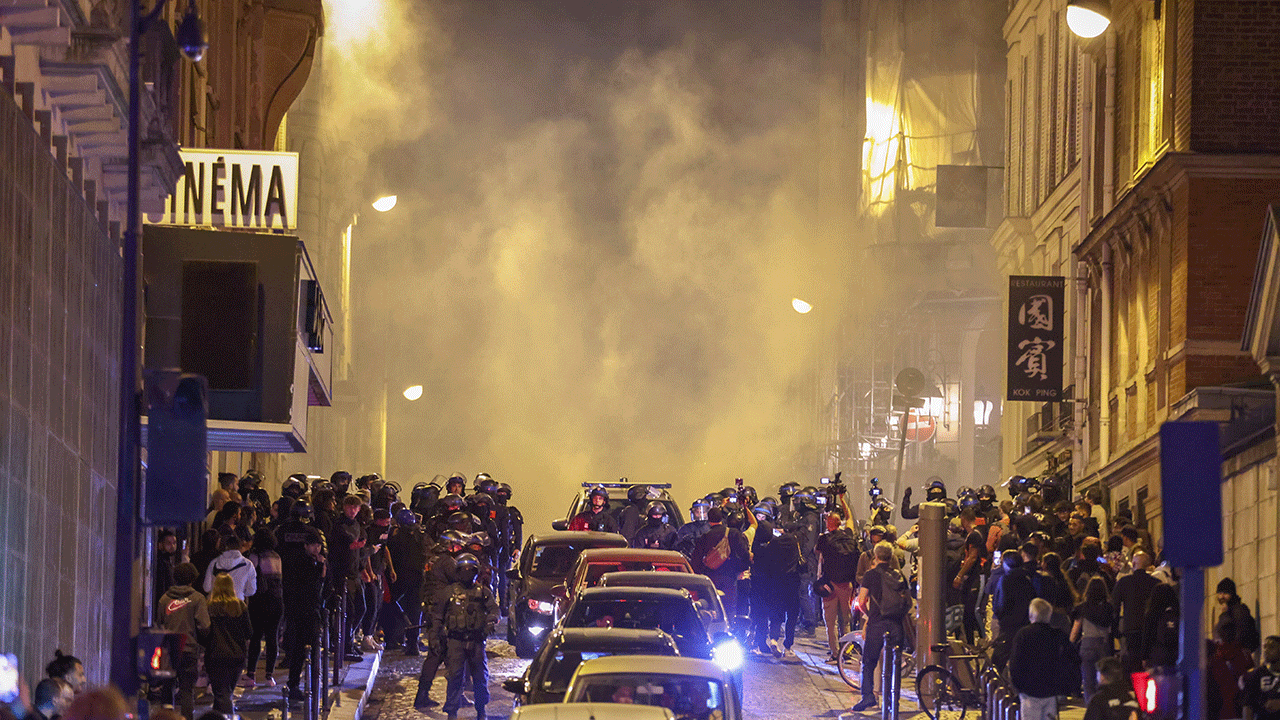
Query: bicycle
[849, 661]
[945, 693]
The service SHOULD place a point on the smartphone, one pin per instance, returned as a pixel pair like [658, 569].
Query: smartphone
[825, 481]
[8, 678]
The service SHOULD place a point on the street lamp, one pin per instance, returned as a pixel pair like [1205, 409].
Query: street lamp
[413, 392]
[1088, 18]
[190, 39]
[384, 203]
[800, 306]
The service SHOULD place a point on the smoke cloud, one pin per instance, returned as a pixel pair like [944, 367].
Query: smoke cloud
[606, 208]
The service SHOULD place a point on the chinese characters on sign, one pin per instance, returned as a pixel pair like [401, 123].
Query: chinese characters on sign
[1035, 337]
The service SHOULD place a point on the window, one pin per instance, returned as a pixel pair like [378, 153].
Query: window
[688, 698]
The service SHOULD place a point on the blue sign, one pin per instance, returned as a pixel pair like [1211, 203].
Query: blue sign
[1191, 493]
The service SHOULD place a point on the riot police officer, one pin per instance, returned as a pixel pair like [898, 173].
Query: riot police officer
[407, 546]
[657, 533]
[688, 534]
[631, 516]
[466, 618]
[809, 522]
[302, 560]
[440, 575]
[596, 516]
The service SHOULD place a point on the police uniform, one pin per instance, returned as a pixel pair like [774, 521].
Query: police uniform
[466, 615]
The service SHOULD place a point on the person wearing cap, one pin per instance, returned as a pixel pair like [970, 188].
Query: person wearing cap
[1235, 623]
[875, 534]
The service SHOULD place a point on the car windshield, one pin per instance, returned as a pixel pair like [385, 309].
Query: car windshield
[596, 570]
[554, 560]
[560, 667]
[688, 698]
[674, 616]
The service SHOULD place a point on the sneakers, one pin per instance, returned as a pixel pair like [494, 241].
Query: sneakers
[865, 703]
[789, 654]
[297, 696]
[270, 682]
[369, 644]
[425, 702]
[247, 682]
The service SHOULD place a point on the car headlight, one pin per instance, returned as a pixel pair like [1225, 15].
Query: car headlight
[541, 606]
[728, 655]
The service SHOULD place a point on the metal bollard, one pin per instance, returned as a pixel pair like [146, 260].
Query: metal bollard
[1010, 705]
[317, 686]
[890, 679]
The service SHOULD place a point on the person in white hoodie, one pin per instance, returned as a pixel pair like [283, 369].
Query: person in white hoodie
[231, 562]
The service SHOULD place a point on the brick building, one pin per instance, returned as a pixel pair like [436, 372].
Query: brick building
[1141, 166]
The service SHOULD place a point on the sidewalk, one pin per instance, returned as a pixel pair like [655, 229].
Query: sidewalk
[840, 697]
[347, 700]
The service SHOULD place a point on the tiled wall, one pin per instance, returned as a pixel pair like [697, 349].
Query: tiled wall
[59, 339]
[1249, 511]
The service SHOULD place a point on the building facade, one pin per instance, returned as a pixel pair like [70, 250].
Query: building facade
[1141, 166]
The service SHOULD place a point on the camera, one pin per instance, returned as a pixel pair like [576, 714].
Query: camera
[875, 491]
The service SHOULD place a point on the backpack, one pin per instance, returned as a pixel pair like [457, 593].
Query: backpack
[227, 571]
[843, 542]
[718, 554]
[895, 595]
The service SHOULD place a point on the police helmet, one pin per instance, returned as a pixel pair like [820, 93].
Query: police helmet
[728, 493]
[302, 511]
[406, 517]
[936, 490]
[637, 493]
[293, 488]
[763, 511]
[340, 479]
[477, 539]
[735, 520]
[486, 484]
[655, 509]
[480, 480]
[598, 490]
[481, 501]
[452, 538]
[452, 502]
[458, 480]
[1017, 484]
[503, 493]
[969, 500]
[986, 493]
[468, 567]
[460, 521]
[787, 490]
[772, 502]
[698, 510]
[748, 496]
[804, 501]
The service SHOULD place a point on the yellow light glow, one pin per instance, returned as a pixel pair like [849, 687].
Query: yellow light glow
[413, 393]
[355, 22]
[1085, 22]
[880, 151]
[800, 306]
[384, 203]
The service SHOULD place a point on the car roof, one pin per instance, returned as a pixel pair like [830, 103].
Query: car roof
[651, 665]
[597, 554]
[627, 592]
[590, 711]
[593, 637]
[649, 578]
[572, 537]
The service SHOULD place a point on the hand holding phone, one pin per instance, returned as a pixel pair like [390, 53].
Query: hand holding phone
[9, 689]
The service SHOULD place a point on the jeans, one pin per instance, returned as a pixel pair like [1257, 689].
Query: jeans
[1034, 708]
[786, 605]
[372, 604]
[1092, 649]
[223, 674]
[837, 614]
[872, 643]
[468, 656]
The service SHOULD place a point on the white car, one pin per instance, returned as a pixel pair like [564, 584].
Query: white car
[590, 711]
[691, 688]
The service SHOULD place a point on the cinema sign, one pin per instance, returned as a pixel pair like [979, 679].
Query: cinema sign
[240, 189]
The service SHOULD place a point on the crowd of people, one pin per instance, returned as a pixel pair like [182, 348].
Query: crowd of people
[1069, 600]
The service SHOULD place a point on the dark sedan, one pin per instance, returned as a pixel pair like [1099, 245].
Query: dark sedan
[547, 677]
[545, 562]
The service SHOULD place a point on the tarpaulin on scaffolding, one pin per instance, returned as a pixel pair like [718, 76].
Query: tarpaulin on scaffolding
[922, 111]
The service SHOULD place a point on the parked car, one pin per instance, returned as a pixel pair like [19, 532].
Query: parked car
[593, 564]
[690, 688]
[590, 711]
[547, 677]
[618, 500]
[700, 588]
[545, 562]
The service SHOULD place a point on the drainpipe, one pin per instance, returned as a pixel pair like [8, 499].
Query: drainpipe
[1104, 424]
[1078, 407]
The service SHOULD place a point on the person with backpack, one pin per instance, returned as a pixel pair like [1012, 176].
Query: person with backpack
[465, 619]
[229, 631]
[1235, 623]
[837, 565]
[244, 576]
[885, 598]
[1012, 599]
[266, 605]
[1041, 664]
[722, 554]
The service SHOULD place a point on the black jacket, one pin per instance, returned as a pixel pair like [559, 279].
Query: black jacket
[1130, 599]
[1041, 661]
[228, 634]
[1012, 598]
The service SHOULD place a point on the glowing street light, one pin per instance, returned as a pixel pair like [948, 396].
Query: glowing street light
[800, 306]
[1089, 18]
[384, 203]
[413, 392]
